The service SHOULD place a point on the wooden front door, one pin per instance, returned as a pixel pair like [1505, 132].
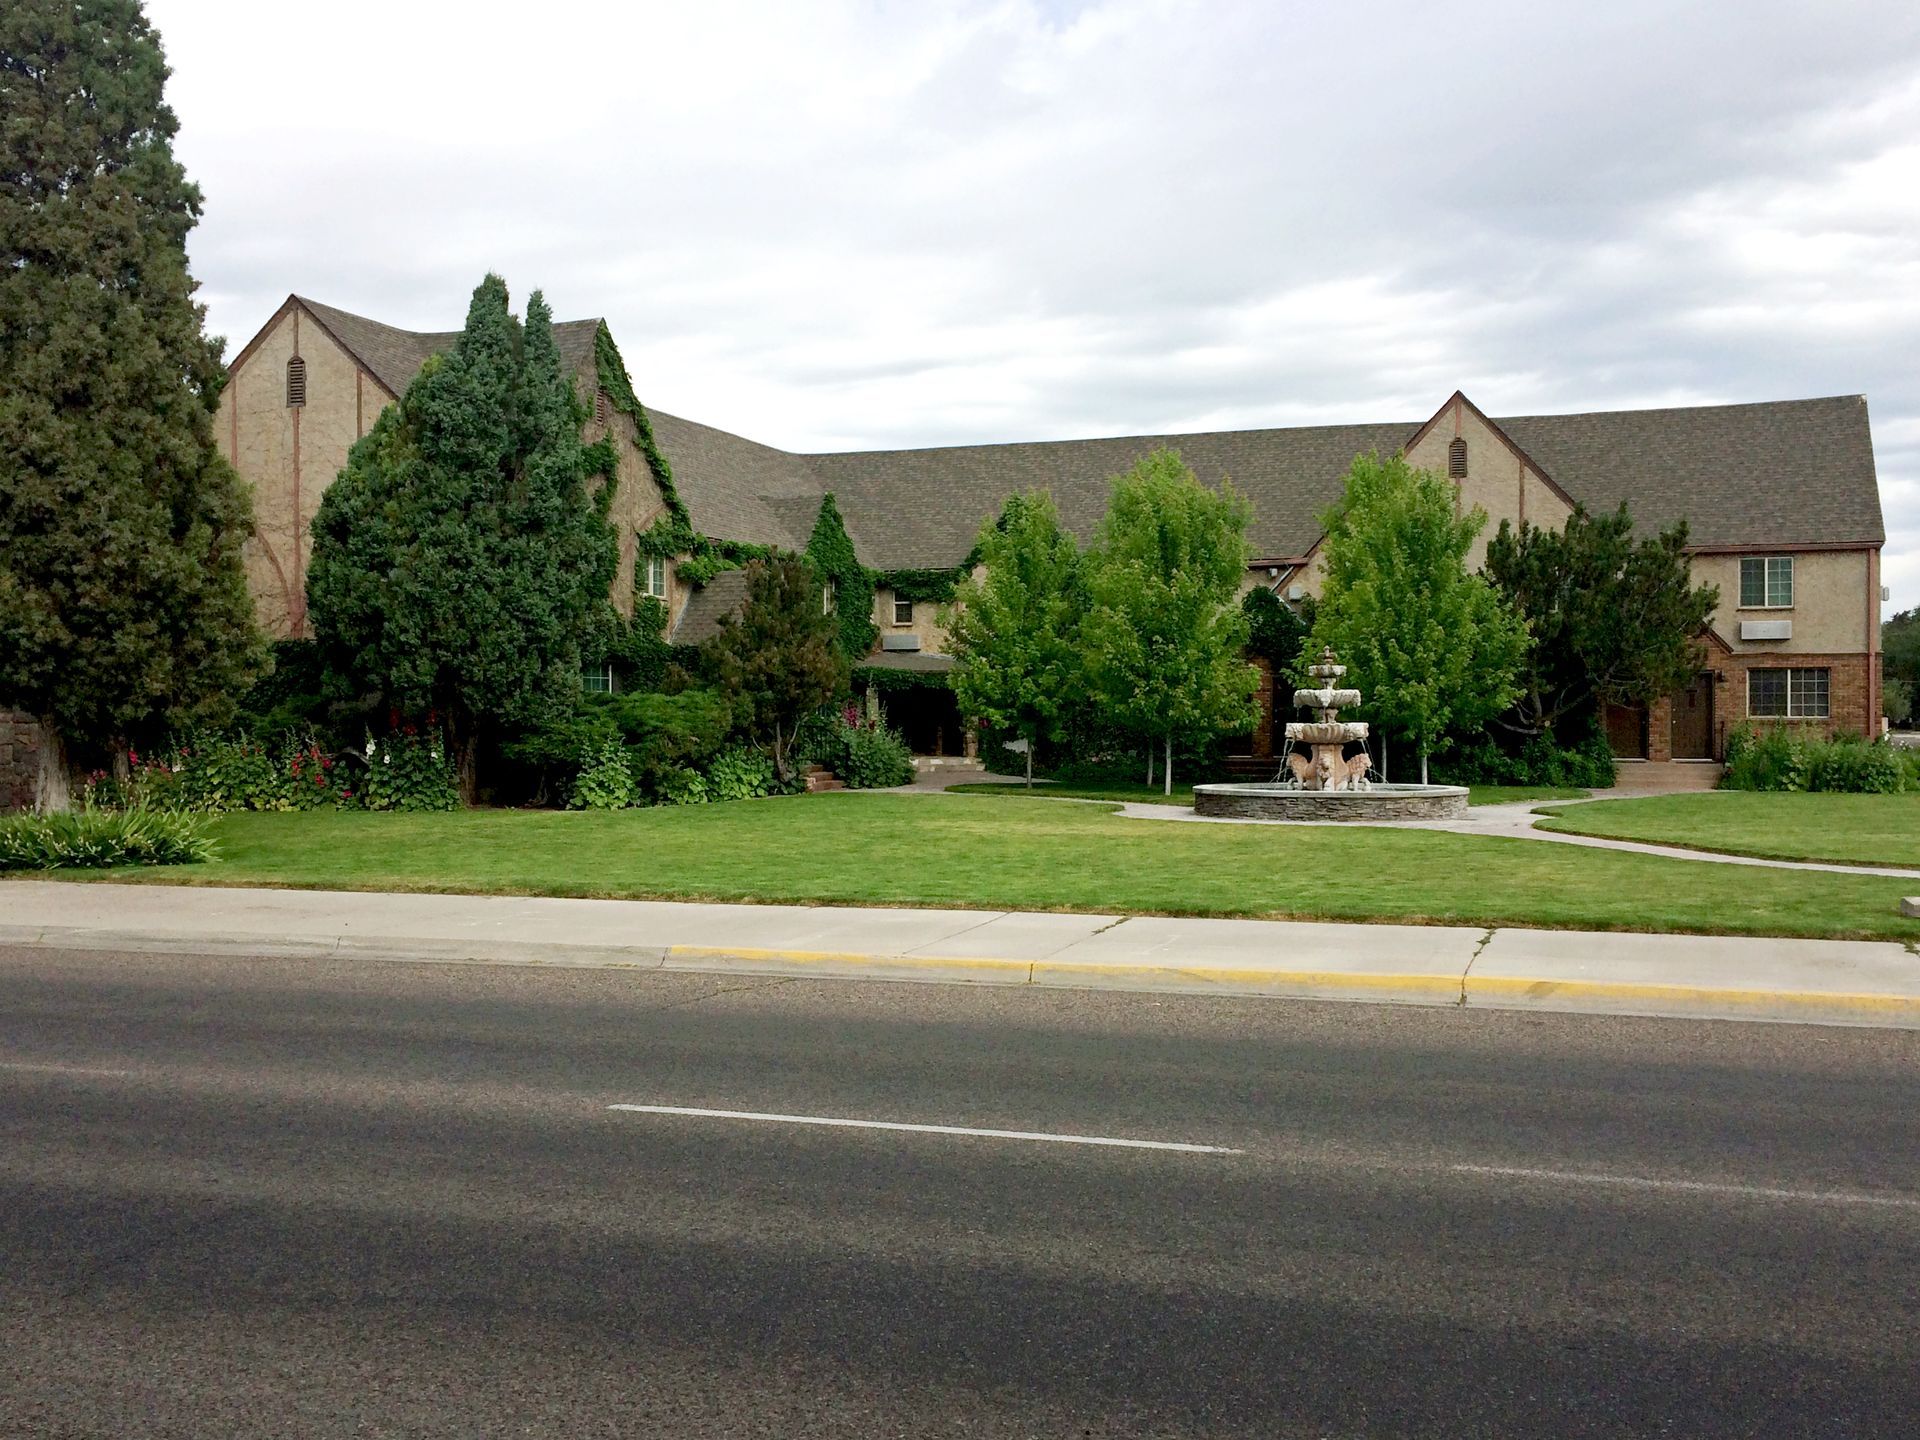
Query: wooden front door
[1627, 731]
[1692, 735]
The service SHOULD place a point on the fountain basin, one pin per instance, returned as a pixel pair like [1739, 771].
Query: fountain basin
[1274, 801]
[1326, 732]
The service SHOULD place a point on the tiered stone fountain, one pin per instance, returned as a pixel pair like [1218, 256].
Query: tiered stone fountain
[1320, 780]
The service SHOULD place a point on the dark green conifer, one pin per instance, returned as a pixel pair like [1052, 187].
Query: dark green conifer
[462, 560]
[123, 600]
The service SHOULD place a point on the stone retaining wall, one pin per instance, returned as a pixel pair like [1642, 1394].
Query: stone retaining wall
[1251, 802]
[19, 759]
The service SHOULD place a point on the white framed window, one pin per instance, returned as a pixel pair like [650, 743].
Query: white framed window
[653, 576]
[826, 598]
[1785, 694]
[1766, 582]
[597, 679]
[902, 611]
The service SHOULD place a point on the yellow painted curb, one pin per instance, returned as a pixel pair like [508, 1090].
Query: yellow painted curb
[1700, 997]
[1010, 972]
[1432, 989]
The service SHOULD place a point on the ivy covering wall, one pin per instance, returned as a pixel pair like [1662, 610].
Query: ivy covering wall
[830, 552]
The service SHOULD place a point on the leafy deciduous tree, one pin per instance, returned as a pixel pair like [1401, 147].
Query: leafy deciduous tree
[1609, 618]
[123, 600]
[1430, 646]
[461, 562]
[1900, 661]
[1165, 632]
[1015, 630]
[777, 659]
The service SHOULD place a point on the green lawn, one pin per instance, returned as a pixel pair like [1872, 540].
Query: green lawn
[952, 850]
[1183, 794]
[1082, 790]
[1851, 829]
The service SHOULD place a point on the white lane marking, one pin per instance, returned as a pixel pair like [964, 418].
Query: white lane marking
[930, 1129]
[34, 1068]
[1694, 1187]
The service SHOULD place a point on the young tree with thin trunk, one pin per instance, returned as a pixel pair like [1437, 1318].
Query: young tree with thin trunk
[1430, 647]
[123, 598]
[1165, 635]
[461, 562]
[777, 659]
[1015, 628]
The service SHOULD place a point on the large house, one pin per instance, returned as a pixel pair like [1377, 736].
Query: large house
[1780, 497]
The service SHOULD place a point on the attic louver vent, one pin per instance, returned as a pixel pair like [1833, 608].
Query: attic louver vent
[296, 381]
[1457, 459]
[602, 409]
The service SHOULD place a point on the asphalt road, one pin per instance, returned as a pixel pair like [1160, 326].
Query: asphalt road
[278, 1198]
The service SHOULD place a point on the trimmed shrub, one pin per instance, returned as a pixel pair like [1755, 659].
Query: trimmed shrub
[1539, 760]
[679, 785]
[605, 781]
[94, 839]
[874, 757]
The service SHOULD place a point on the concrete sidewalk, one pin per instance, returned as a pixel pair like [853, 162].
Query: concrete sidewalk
[1828, 981]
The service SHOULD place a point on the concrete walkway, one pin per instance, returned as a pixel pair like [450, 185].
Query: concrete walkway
[1829, 981]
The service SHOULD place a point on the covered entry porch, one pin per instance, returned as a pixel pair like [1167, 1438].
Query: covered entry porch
[911, 692]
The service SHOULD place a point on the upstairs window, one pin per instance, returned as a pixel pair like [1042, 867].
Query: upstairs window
[1457, 459]
[826, 598]
[1766, 582]
[902, 611]
[653, 576]
[597, 679]
[296, 382]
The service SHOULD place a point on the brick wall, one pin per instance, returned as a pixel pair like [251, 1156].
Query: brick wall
[19, 759]
[1849, 689]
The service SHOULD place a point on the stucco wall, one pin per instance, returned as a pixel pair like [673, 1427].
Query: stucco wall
[1833, 599]
[637, 502]
[1498, 481]
[925, 623]
[291, 454]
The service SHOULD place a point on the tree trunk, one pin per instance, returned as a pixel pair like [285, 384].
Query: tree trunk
[1029, 762]
[52, 788]
[1383, 758]
[1423, 762]
[466, 768]
[1149, 762]
[1167, 768]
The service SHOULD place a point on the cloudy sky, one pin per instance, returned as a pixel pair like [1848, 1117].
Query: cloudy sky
[842, 224]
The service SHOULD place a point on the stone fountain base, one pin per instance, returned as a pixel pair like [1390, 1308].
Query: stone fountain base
[1287, 802]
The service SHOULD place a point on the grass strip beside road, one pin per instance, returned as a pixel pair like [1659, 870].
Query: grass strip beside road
[930, 851]
[1840, 829]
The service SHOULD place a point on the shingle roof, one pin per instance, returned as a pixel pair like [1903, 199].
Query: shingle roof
[395, 356]
[1787, 472]
[700, 619]
[924, 508]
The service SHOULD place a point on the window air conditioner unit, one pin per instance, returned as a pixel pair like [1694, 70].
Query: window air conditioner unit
[1766, 629]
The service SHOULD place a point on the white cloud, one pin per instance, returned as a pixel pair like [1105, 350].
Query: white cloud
[849, 223]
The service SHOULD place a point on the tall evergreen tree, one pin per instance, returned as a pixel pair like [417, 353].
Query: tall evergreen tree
[462, 560]
[1430, 646]
[1165, 633]
[123, 600]
[1015, 631]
